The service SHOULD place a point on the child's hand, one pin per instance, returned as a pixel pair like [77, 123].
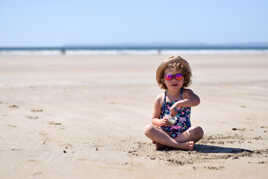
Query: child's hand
[164, 122]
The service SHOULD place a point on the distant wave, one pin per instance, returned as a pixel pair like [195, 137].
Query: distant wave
[134, 50]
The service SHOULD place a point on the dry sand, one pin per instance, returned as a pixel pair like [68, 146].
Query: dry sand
[84, 116]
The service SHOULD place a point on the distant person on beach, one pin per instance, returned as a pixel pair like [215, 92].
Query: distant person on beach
[171, 126]
[63, 51]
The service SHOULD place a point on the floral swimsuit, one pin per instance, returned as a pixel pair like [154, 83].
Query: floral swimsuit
[183, 118]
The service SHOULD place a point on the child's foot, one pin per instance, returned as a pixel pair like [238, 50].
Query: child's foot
[187, 145]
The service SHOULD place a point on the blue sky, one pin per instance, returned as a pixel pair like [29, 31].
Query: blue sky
[61, 22]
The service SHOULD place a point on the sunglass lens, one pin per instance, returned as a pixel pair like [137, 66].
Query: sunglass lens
[179, 76]
[169, 77]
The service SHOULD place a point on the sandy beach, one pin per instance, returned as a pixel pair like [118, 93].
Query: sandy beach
[84, 117]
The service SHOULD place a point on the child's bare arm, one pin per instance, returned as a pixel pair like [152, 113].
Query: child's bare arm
[189, 99]
[156, 113]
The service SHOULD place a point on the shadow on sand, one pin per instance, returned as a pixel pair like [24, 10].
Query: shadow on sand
[218, 149]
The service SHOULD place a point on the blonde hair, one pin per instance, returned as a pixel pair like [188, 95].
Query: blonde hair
[174, 63]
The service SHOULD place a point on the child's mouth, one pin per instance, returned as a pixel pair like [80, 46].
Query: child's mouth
[174, 85]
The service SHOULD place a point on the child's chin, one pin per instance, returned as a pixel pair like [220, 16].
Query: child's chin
[174, 87]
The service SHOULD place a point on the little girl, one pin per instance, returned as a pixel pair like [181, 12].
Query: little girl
[173, 75]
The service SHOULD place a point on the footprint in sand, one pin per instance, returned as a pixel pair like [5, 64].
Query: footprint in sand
[258, 138]
[11, 125]
[257, 162]
[45, 140]
[16, 149]
[55, 123]
[13, 106]
[37, 110]
[44, 135]
[214, 168]
[238, 129]
[264, 127]
[37, 173]
[32, 117]
[67, 146]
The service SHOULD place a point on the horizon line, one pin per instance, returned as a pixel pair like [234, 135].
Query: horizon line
[142, 45]
[145, 46]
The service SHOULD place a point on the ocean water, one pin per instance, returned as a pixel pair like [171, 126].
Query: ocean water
[134, 50]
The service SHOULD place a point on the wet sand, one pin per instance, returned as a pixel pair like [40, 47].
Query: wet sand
[84, 116]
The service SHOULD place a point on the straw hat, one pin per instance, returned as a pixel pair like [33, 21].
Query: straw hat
[182, 65]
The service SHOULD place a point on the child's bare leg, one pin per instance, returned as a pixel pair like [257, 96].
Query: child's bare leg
[192, 134]
[159, 136]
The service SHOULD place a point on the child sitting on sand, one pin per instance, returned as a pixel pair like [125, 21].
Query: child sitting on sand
[171, 124]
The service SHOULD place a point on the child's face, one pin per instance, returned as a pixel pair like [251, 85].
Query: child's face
[173, 79]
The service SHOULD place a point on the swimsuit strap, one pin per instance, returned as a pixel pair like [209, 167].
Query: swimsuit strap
[181, 93]
[164, 104]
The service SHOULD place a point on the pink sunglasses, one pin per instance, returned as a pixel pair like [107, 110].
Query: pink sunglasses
[177, 76]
